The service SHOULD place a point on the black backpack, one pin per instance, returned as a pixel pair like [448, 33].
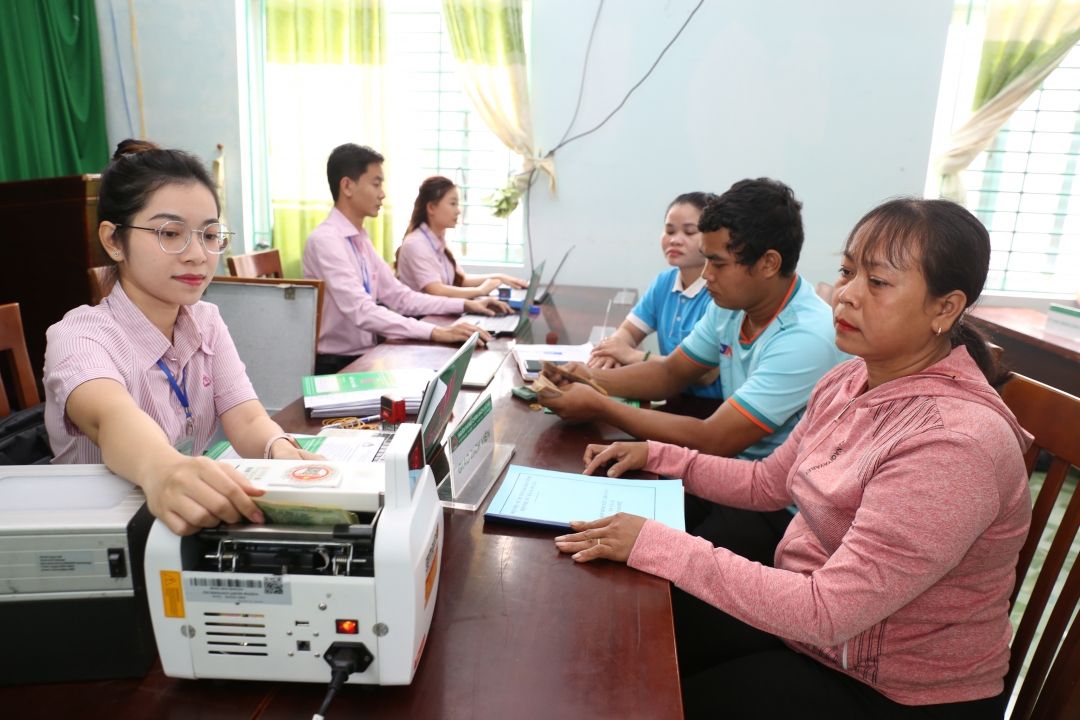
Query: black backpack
[23, 439]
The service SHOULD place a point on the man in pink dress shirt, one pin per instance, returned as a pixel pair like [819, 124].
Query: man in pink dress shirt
[364, 299]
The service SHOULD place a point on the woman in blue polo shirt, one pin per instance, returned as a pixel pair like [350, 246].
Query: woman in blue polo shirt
[673, 303]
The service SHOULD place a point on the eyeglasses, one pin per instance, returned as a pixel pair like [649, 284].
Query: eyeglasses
[175, 236]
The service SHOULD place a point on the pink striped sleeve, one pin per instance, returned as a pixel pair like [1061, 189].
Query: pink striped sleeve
[417, 265]
[85, 346]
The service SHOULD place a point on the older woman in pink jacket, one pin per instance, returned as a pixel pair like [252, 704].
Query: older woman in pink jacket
[890, 592]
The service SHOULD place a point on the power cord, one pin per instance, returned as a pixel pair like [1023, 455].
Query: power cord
[581, 89]
[344, 659]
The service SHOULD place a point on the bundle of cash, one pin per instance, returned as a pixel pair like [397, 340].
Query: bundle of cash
[551, 370]
[287, 513]
[545, 388]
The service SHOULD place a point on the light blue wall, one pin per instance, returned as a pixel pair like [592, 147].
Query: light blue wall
[834, 98]
[191, 91]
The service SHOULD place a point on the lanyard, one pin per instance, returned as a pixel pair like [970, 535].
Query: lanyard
[440, 256]
[363, 266]
[181, 394]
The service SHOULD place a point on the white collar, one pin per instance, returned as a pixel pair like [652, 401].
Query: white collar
[690, 292]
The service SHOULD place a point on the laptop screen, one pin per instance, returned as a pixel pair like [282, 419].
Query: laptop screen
[440, 396]
[551, 283]
[523, 316]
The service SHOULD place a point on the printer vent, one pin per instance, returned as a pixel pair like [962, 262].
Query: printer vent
[225, 626]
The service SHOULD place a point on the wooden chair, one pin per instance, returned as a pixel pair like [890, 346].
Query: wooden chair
[98, 290]
[13, 346]
[256, 265]
[1051, 688]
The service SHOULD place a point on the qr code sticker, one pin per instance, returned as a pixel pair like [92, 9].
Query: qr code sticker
[272, 586]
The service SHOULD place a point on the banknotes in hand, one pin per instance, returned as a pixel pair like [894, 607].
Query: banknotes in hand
[551, 370]
[287, 513]
[545, 388]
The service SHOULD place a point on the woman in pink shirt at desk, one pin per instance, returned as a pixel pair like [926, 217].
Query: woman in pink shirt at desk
[140, 381]
[425, 263]
[890, 592]
[363, 298]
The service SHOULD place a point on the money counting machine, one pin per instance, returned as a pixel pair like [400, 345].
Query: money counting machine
[72, 595]
[300, 603]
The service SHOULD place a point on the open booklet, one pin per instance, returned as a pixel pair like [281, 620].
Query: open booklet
[531, 496]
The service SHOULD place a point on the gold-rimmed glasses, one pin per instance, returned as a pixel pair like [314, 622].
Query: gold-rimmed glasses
[174, 236]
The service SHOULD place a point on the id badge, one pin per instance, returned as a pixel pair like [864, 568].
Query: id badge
[186, 445]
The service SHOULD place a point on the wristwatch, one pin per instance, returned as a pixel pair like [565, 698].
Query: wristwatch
[285, 436]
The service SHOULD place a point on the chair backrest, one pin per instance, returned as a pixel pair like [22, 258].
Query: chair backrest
[98, 289]
[824, 291]
[256, 265]
[13, 346]
[275, 325]
[1052, 684]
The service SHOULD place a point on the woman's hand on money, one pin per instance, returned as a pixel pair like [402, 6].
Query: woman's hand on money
[197, 492]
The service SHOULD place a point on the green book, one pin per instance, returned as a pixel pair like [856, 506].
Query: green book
[358, 392]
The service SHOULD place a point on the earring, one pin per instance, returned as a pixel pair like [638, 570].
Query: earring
[938, 330]
[116, 254]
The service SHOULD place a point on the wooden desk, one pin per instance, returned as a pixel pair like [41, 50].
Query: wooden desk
[519, 630]
[1029, 349]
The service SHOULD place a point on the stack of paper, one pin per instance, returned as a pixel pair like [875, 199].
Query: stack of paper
[531, 496]
[360, 393]
[528, 357]
[332, 444]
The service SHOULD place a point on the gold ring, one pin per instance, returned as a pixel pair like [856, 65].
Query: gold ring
[597, 541]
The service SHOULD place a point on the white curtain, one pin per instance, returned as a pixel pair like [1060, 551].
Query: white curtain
[1025, 41]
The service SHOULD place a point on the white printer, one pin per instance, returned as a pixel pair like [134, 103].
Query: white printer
[72, 595]
[269, 602]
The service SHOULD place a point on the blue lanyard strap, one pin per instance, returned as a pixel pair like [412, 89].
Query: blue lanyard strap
[363, 265]
[441, 256]
[180, 391]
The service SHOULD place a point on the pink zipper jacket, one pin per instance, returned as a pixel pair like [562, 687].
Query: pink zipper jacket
[913, 506]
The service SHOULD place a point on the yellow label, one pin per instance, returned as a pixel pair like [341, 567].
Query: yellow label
[430, 583]
[172, 592]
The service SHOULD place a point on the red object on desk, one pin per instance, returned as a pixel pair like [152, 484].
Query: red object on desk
[392, 409]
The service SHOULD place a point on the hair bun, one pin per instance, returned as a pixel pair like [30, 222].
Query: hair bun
[133, 147]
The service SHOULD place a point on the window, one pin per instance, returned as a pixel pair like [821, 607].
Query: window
[434, 131]
[1023, 187]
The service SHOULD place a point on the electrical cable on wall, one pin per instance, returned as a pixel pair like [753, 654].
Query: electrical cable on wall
[581, 89]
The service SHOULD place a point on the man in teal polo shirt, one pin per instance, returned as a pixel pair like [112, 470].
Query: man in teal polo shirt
[771, 336]
[767, 331]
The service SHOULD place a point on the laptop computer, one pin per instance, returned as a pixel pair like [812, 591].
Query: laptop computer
[545, 291]
[517, 295]
[509, 324]
[440, 396]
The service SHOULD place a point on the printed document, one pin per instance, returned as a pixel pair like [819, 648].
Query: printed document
[546, 497]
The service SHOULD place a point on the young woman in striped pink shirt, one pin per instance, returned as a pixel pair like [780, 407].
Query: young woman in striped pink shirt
[140, 381]
[889, 595]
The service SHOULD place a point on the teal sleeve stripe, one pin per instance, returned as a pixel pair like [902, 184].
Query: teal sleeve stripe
[695, 357]
[746, 407]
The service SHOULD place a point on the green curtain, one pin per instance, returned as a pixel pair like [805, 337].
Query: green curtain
[324, 87]
[52, 105]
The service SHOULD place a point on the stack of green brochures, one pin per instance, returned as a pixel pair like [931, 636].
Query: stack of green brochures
[360, 393]
[530, 496]
[342, 446]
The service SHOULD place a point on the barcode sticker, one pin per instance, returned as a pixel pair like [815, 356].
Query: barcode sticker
[326, 384]
[257, 590]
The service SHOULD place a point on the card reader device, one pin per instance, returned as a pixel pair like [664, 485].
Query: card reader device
[279, 602]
